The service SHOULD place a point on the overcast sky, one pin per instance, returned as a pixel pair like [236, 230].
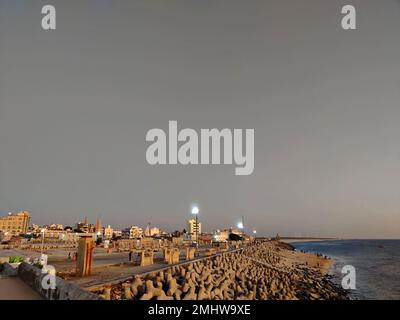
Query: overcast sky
[76, 104]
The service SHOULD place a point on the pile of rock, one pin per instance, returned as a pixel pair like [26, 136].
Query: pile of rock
[241, 275]
[266, 252]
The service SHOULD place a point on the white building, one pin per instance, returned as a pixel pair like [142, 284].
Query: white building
[108, 232]
[221, 235]
[154, 231]
[133, 232]
[193, 227]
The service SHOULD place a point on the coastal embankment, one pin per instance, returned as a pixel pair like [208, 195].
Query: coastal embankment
[261, 270]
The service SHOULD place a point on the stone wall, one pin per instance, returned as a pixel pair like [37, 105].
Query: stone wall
[64, 291]
[7, 269]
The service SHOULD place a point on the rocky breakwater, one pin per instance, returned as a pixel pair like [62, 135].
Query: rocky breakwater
[256, 272]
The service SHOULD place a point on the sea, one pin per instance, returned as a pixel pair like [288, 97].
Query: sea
[376, 263]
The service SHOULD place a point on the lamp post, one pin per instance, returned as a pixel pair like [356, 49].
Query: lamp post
[42, 231]
[195, 211]
[240, 226]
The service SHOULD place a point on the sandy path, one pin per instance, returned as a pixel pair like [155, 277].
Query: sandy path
[13, 288]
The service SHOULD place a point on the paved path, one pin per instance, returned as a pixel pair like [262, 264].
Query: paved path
[13, 288]
[117, 274]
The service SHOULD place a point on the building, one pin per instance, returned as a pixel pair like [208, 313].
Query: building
[194, 228]
[126, 233]
[53, 226]
[15, 223]
[34, 227]
[221, 235]
[205, 238]
[133, 232]
[117, 234]
[85, 227]
[150, 232]
[54, 234]
[108, 232]
[98, 227]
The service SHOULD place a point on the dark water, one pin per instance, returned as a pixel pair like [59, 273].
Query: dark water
[377, 265]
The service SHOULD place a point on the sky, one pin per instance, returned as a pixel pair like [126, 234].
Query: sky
[76, 104]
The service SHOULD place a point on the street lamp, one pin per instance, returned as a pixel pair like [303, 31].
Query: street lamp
[195, 211]
[241, 227]
[42, 231]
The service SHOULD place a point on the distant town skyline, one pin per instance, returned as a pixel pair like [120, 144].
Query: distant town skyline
[76, 104]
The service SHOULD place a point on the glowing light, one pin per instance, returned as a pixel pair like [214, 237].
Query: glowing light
[195, 210]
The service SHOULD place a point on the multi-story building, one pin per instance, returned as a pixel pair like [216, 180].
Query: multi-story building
[152, 231]
[117, 234]
[53, 234]
[98, 227]
[133, 232]
[85, 227]
[108, 232]
[221, 235]
[54, 226]
[34, 227]
[194, 227]
[15, 223]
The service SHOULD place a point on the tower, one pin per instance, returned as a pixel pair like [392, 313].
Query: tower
[98, 226]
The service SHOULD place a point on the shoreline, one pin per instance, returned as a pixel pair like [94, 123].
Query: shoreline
[294, 240]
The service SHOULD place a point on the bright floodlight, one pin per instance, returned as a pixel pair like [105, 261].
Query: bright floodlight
[240, 225]
[254, 231]
[195, 210]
